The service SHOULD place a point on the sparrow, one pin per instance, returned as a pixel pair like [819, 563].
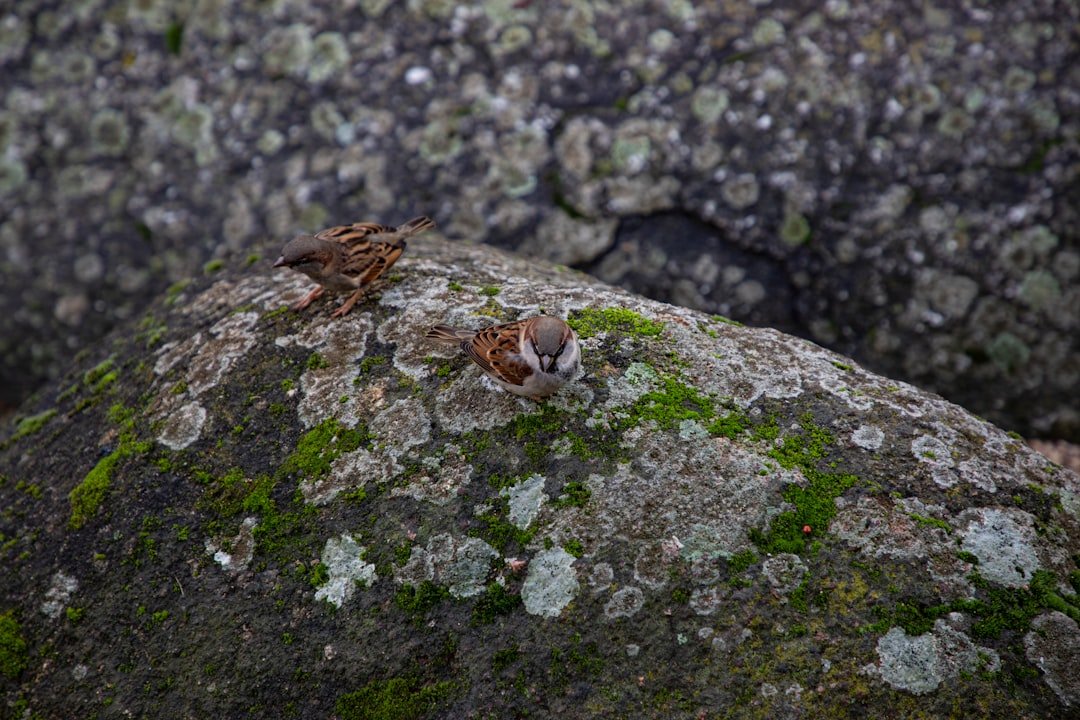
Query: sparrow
[348, 257]
[532, 358]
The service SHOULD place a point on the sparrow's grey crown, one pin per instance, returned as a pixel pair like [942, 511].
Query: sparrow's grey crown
[549, 334]
[301, 248]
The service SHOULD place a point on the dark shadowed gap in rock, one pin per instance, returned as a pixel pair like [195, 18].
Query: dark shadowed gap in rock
[676, 258]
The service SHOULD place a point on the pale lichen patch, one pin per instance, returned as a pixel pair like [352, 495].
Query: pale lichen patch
[1004, 540]
[443, 480]
[601, 578]
[183, 426]
[935, 457]
[173, 352]
[467, 405]
[403, 425]
[351, 471]
[707, 600]
[784, 572]
[868, 437]
[525, 500]
[461, 565]
[625, 602]
[311, 335]
[1071, 502]
[343, 559]
[908, 531]
[551, 583]
[60, 591]
[415, 310]
[656, 497]
[233, 337]
[327, 383]
[241, 548]
[652, 564]
[919, 664]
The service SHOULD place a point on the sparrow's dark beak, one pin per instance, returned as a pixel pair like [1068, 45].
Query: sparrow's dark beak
[280, 262]
[547, 362]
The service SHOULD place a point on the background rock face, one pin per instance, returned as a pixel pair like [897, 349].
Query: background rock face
[898, 185]
[233, 509]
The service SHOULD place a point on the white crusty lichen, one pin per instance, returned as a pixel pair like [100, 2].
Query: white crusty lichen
[551, 583]
[183, 426]
[920, 663]
[344, 561]
[525, 499]
[461, 565]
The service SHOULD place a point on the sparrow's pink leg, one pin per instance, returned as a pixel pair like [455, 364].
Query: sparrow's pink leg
[347, 305]
[310, 298]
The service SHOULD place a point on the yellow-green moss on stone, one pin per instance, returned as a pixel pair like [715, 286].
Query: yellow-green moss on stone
[13, 652]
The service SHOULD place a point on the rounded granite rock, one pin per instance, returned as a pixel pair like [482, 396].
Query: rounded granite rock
[232, 508]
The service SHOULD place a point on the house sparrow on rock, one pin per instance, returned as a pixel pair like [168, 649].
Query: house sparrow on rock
[532, 358]
[348, 258]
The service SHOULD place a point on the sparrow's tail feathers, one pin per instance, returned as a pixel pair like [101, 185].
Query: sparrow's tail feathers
[416, 225]
[447, 334]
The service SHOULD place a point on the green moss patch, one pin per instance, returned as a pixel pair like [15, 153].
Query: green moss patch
[320, 446]
[674, 402]
[95, 382]
[394, 699]
[815, 503]
[495, 601]
[496, 530]
[13, 652]
[996, 609]
[593, 321]
[418, 600]
[30, 425]
[574, 494]
[87, 496]
[284, 531]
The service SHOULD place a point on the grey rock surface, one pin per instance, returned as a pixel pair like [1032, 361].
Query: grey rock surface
[233, 509]
[899, 185]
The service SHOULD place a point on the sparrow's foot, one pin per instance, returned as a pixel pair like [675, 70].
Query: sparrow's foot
[347, 305]
[309, 298]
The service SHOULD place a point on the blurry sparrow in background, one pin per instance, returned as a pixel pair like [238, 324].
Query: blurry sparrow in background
[348, 258]
[533, 357]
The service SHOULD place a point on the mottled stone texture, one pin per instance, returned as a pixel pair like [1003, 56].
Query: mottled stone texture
[229, 509]
[897, 184]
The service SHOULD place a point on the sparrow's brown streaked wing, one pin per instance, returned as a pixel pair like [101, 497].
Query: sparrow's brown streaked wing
[355, 234]
[369, 260]
[496, 350]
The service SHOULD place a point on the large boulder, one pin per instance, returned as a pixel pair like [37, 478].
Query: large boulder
[228, 509]
[898, 185]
